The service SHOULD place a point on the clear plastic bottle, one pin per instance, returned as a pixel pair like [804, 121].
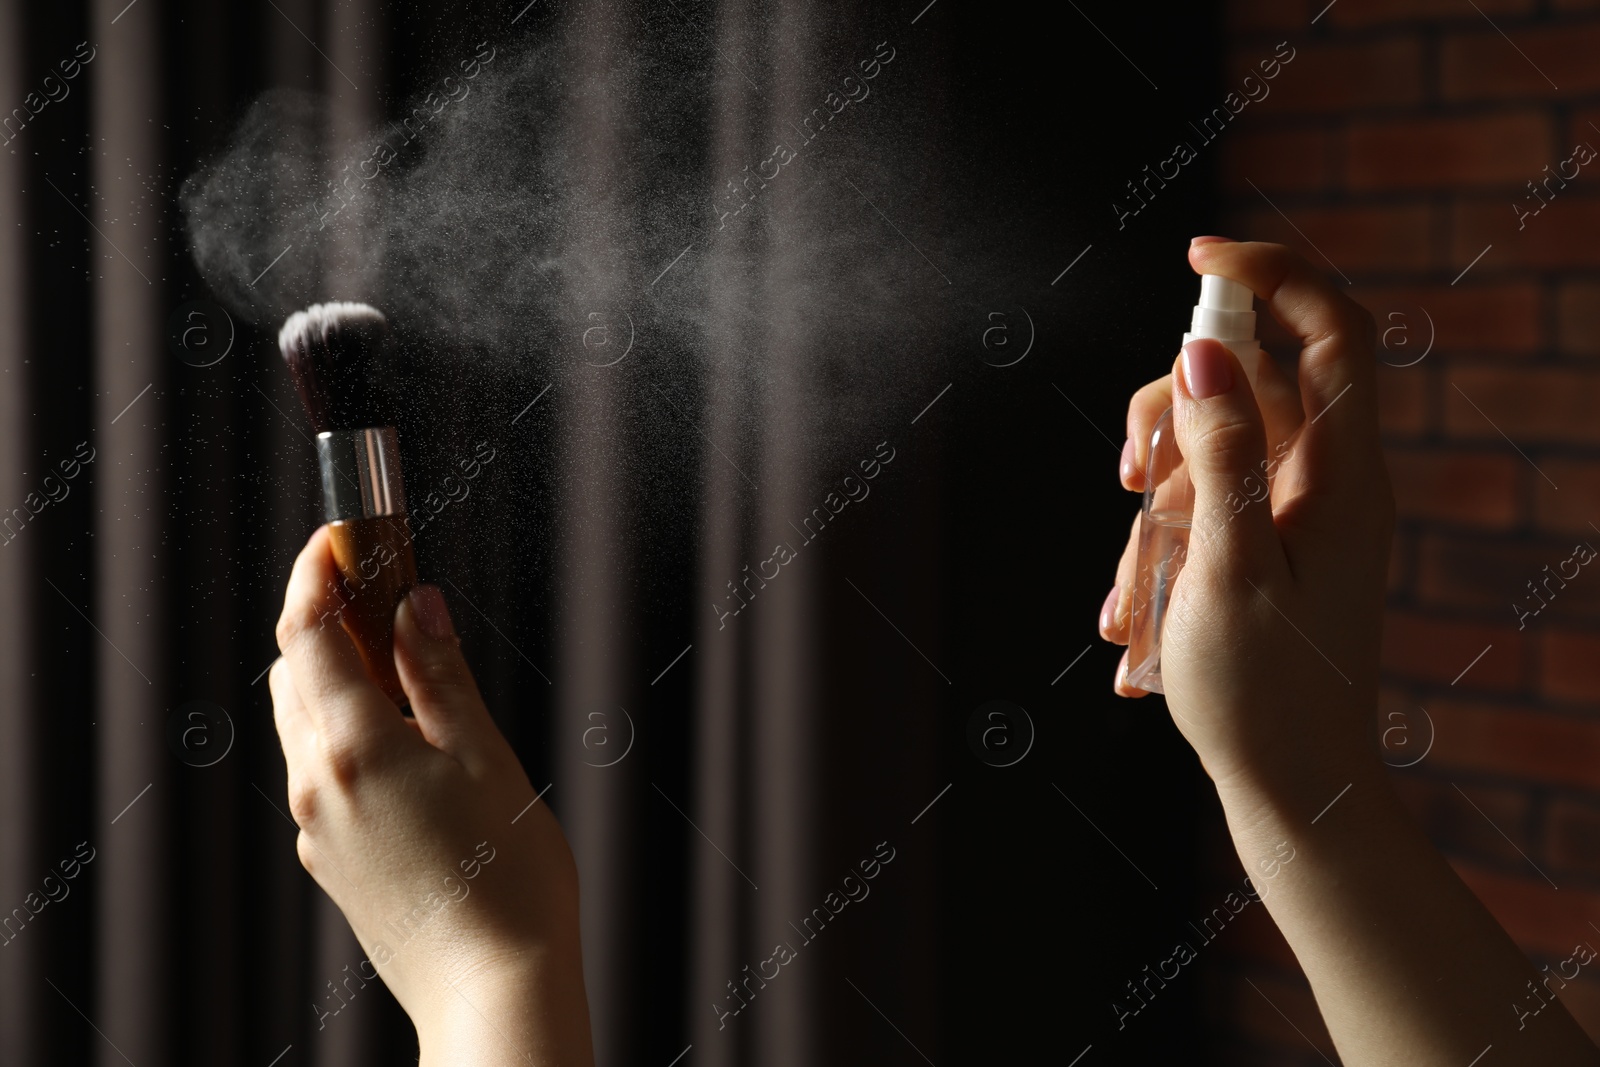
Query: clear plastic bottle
[1225, 314]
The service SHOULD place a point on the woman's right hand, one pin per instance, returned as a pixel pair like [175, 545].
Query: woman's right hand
[1269, 655]
[1270, 664]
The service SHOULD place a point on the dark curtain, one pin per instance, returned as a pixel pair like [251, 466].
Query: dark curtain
[767, 754]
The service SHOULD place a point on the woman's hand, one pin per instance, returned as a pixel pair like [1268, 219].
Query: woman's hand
[1270, 664]
[1270, 650]
[427, 833]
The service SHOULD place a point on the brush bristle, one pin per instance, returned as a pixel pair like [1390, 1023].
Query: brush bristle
[334, 353]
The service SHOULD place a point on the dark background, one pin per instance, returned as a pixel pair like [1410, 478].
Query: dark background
[1014, 922]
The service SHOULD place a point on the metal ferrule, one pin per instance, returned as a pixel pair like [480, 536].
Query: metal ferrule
[360, 473]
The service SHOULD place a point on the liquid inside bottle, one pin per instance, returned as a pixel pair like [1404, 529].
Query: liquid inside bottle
[1163, 547]
[1225, 314]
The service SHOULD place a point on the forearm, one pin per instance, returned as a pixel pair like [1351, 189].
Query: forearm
[1407, 965]
[533, 1014]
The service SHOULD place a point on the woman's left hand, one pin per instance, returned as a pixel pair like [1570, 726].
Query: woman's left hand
[427, 833]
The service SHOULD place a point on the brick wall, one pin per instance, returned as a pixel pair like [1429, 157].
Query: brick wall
[1394, 146]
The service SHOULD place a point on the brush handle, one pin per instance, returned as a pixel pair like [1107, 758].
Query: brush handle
[364, 501]
[375, 562]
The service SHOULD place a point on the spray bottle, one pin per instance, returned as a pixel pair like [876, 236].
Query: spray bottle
[1224, 314]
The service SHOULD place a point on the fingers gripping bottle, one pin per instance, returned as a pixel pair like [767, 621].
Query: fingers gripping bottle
[1225, 314]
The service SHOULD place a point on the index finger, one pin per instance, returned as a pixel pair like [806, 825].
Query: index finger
[1338, 368]
[326, 667]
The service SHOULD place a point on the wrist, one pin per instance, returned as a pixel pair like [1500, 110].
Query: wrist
[527, 1007]
[1255, 796]
[1334, 822]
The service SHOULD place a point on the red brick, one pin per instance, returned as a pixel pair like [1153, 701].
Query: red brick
[1470, 488]
[1399, 576]
[1403, 401]
[1404, 732]
[1515, 742]
[1539, 919]
[1336, 78]
[1545, 241]
[1448, 153]
[1483, 65]
[1348, 14]
[1451, 822]
[1500, 577]
[1575, 506]
[1526, 404]
[1578, 318]
[1572, 838]
[1259, 15]
[1382, 239]
[1458, 318]
[1298, 160]
[1583, 127]
[1438, 650]
[1570, 665]
[1584, 124]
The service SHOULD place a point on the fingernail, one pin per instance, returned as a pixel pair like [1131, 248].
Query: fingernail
[433, 615]
[1206, 370]
[1127, 459]
[1108, 610]
[1209, 240]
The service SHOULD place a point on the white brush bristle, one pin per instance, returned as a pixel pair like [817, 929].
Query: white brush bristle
[318, 320]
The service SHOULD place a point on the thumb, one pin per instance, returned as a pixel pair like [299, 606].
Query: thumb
[1220, 432]
[443, 694]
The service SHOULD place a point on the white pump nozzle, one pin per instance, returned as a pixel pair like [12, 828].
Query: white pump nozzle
[1225, 314]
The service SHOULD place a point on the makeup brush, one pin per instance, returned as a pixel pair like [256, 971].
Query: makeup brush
[337, 354]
